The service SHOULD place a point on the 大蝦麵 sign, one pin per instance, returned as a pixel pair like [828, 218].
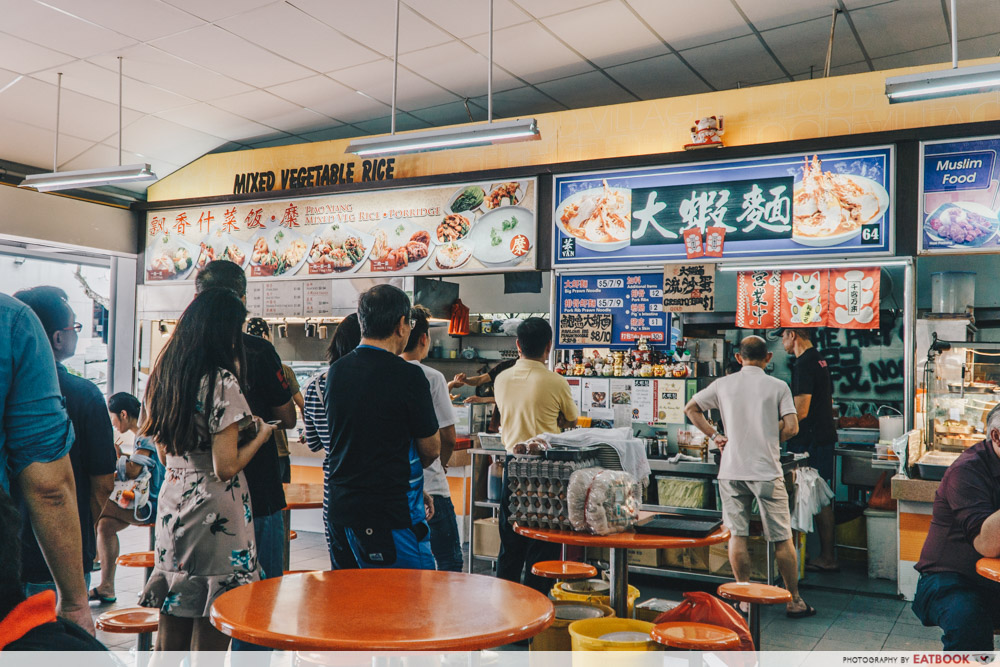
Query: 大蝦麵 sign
[689, 288]
[585, 329]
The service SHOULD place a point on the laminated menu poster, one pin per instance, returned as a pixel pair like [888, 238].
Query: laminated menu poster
[584, 329]
[634, 302]
[597, 398]
[817, 203]
[482, 227]
[575, 389]
[960, 196]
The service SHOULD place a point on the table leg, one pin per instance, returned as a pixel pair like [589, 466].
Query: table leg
[286, 517]
[754, 622]
[618, 578]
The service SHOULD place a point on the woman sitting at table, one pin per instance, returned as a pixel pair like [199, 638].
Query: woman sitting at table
[204, 431]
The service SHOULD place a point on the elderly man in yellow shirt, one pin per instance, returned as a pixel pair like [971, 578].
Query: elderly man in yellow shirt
[532, 400]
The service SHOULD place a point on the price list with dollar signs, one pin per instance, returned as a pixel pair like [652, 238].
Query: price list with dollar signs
[633, 300]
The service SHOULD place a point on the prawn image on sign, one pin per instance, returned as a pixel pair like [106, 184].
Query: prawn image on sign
[827, 204]
[601, 218]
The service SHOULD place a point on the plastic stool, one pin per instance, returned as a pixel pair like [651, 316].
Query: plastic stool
[754, 595]
[141, 621]
[563, 570]
[686, 636]
[292, 534]
[138, 559]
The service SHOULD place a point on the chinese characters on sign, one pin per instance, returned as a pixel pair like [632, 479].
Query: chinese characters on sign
[854, 298]
[837, 298]
[689, 288]
[758, 299]
[593, 329]
[633, 300]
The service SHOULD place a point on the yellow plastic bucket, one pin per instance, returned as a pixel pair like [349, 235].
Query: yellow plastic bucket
[560, 593]
[556, 636]
[586, 635]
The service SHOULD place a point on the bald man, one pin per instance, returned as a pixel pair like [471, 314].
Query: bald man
[759, 414]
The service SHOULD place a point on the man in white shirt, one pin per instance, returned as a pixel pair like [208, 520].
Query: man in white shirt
[759, 414]
[445, 544]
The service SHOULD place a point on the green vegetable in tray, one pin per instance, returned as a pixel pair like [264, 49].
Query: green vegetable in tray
[509, 224]
[400, 230]
[468, 199]
[682, 492]
[495, 238]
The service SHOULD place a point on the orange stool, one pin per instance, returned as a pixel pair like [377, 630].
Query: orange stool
[292, 534]
[686, 636]
[141, 621]
[563, 570]
[754, 595]
[138, 559]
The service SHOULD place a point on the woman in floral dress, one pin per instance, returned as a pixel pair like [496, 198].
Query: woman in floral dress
[205, 434]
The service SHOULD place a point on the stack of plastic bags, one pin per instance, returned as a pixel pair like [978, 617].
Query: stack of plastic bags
[602, 501]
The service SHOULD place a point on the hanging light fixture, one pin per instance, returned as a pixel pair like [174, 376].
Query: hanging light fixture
[462, 136]
[87, 178]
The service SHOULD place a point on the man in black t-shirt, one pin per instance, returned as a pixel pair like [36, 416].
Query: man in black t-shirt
[487, 379]
[383, 433]
[813, 394]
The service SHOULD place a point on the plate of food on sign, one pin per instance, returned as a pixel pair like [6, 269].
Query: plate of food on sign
[508, 193]
[172, 258]
[600, 219]
[961, 224]
[467, 200]
[221, 246]
[337, 248]
[829, 208]
[399, 245]
[277, 251]
[503, 237]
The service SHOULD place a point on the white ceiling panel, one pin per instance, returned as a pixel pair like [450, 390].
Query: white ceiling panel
[607, 34]
[375, 80]
[977, 18]
[159, 138]
[803, 45]
[683, 26]
[664, 76]
[57, 30]
[210, 120]
[463, 19]
[32, 145]
[26, 57]
[339, 132]
[102, 155]
[84, 77]
[289, 32]
[767, 14]
[256, 104]
[520, 103]
[457, 67]
[298, 121]
[326, 96]
[373, 25]
[7, 78]
[404, 123]
[586, 90]
[879, 27]
[543, 8]
[931, 56]
[167, 71]
[141, 20]
[746, 61]
[451, 114]
[213, 10]
[221, 51]
[529, 52]
[267, 143]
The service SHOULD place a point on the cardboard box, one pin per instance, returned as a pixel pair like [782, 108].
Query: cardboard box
[486, 538]
[718, 559]
[459, 459]
[602, 554]
[647, 557]
[695, 558]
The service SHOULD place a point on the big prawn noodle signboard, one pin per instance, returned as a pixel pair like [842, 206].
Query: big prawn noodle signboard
[823, 203]
[467, 228]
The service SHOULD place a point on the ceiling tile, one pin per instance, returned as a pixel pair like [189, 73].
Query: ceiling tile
[879, 27]
[7, 78]
[331, 133]
[457, 67]
[217, 9]
[586, 90]
[978, 18]
[463, 19]
[283, 141]
[663, 76]
[451, 114]
[520, 103]
[26, 57]
[161, 69]
[373, 26]
[980, 47]
[296, 122]
[326, 96]
[220, 51]
[32, 145]
[543, 8]
[683, 28]
[102, 155]
[851, 68]
[803, 45]
[89, 79]
[295, 35]
[141, 20]
[767, 14]
[375, 80]
[930, 56]
[210, 120]
[57, 30]
[737, 60]
[404, 123]
[529, 52]
[607, 34]
[157, 138]
[255, 104]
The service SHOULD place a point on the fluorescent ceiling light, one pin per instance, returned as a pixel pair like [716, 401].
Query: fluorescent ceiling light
[86, 178]
[805, 266]
[943, 83]
[463, 136]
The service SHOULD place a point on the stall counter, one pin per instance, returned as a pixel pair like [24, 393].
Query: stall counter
[913, 521]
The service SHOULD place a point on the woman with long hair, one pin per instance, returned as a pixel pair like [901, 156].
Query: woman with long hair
[205, 433]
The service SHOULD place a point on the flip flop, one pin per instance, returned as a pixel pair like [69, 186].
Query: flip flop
[94, 596]
[805, 613]
[810, 567]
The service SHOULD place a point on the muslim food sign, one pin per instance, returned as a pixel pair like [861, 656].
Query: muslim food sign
[823, 203]
[960, 196]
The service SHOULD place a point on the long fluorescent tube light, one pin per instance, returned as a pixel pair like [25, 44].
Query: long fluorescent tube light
[943, 83]
[463, 136]
[86, 178]
[804, 266]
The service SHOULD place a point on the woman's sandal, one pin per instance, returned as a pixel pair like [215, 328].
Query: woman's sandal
[95, 596]
[804, 613]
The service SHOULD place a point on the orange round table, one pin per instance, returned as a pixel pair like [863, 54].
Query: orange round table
[989, 568]
[298, 497]
[382, 609]
[619, 544]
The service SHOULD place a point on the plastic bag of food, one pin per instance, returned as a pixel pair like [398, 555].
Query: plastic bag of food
[602, 501]
[701, 607]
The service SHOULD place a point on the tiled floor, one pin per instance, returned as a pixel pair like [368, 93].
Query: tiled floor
[847, 621]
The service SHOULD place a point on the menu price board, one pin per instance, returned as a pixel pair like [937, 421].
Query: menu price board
[822, 203]
[634, 302]
[689, 288]
[960, 196]
[482, 227]
[585, 329]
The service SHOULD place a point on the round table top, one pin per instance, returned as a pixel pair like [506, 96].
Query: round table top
[989, 568]
[303, 496]
[134, 620]
[382, 609]
[754, 592]
[694, 636]
[626, 540]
